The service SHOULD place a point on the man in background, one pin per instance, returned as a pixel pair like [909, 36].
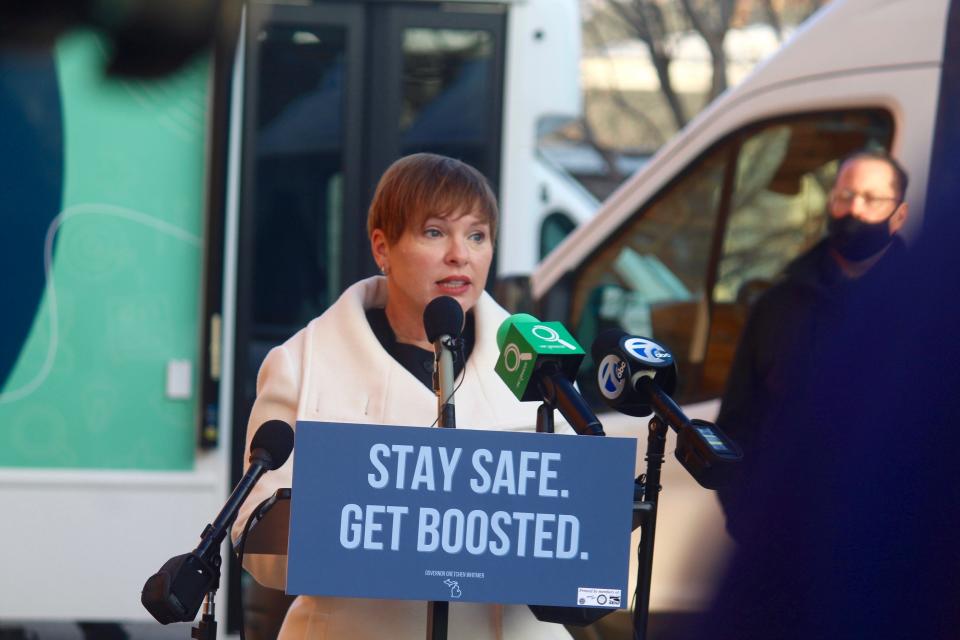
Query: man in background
[850, 529]
[791, 320]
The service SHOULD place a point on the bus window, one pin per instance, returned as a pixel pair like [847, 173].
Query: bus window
[299, 168]
[556, 226]
[783, 174]
[446, 84]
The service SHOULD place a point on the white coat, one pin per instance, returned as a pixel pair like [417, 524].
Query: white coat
[336, 370]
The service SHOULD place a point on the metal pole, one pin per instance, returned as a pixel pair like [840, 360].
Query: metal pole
[656, 443]
[545, 418]
[207, 628]
[438, 611]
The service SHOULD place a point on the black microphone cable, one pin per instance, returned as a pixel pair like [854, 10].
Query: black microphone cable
[255, 516]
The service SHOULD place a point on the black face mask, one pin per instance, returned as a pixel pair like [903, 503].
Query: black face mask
[855, 239]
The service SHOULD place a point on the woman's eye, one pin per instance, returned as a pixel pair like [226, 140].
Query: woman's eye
[432, 232]
[478, 236]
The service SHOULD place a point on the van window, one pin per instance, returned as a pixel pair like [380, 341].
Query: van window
[764, 188]
[650, 279]
[777, 211]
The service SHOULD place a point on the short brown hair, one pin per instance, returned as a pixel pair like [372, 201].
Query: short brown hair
[422, 185]
[900, 177]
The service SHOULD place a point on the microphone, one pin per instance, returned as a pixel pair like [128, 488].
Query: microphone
[622, 361]
[443, 324]
[636, 376]
[175, 593]
[538, 362]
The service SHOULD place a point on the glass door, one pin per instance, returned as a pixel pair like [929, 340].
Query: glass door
[333, 93]
[301, 153]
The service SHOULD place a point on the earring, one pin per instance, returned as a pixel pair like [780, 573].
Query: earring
[385, 270]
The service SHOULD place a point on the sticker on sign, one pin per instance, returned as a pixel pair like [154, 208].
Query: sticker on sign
[591, 597]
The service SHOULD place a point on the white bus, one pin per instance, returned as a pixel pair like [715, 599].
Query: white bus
[680, 250]
[166, 233]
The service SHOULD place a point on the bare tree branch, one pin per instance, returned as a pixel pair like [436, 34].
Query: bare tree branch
[621, 101]
[773, 19]
[711, 19]
[646, 19]
[608, 156]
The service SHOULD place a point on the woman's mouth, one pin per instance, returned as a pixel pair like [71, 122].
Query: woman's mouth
[454, 284]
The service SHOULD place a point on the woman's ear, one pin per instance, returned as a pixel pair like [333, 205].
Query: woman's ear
[380, 250]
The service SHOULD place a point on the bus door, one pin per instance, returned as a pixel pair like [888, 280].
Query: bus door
[333, 93]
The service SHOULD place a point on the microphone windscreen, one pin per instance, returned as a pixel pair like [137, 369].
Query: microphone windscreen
[443, 317]
[509, 322]
[607, 342]
[275, 438]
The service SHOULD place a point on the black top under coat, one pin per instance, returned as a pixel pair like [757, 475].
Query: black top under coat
[417, 361]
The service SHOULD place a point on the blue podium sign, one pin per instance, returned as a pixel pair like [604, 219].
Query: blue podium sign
[459, 514]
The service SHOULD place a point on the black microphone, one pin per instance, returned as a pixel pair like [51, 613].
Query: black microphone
[622, 361]
[636, 376]
[443, 319]
[443, 324]
[539, 361]
[175, 593]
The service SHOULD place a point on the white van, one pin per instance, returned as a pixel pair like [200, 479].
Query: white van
[681, 249]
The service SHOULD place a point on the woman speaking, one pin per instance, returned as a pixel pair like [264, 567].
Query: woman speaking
[431, 224]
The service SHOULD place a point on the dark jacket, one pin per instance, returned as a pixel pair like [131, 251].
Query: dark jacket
[773, 363]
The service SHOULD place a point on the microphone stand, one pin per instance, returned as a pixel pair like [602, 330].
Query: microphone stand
[206, 629]
[645, 516]
[545, 418]
[700, 461]
[438, 611]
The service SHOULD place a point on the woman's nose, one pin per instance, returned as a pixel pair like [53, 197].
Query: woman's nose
[456, 251]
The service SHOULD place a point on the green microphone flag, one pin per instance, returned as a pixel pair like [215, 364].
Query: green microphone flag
[524, 342]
